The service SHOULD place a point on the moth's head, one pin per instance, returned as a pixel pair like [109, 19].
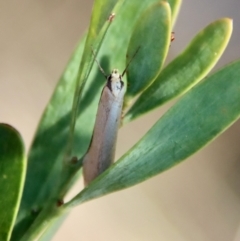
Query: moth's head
[115, 82]
[115, 75]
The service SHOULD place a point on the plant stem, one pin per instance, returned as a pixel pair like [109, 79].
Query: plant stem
[45, 218]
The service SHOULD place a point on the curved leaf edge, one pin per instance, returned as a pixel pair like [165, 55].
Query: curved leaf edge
[22, 157]
[133, 113]
[96, 188]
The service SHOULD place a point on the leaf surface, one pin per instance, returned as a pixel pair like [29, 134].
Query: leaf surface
[151, 37]
[187, 69]
[12, 175]
[199, 117]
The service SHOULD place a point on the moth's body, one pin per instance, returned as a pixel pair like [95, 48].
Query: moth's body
[101, 151]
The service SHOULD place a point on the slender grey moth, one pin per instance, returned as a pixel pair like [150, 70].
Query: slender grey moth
[101, 151]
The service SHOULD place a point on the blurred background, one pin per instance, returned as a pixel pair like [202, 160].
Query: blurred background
[194, 201]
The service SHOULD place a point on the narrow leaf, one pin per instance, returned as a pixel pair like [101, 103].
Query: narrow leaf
[187, 69]
[151, 37]
[12, 175]
[199, 117]
[45, 157]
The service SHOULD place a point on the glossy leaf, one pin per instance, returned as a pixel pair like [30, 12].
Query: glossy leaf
[152, 29]
[12, 175]
[187, 69]
[199, 117]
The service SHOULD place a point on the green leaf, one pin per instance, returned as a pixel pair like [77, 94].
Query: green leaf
[152, 29]
[12, 175]
[187, 69]
[45, 157]
[199, 117]
[118, 36]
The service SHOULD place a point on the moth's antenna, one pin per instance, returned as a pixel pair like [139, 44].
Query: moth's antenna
[125, 70]
[99, 66]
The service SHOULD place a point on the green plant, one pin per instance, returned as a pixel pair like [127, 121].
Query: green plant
[65, 131]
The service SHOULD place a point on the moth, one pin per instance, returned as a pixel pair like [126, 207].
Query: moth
[101, 151]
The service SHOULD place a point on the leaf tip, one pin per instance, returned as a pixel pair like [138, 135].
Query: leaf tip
[228, 21]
